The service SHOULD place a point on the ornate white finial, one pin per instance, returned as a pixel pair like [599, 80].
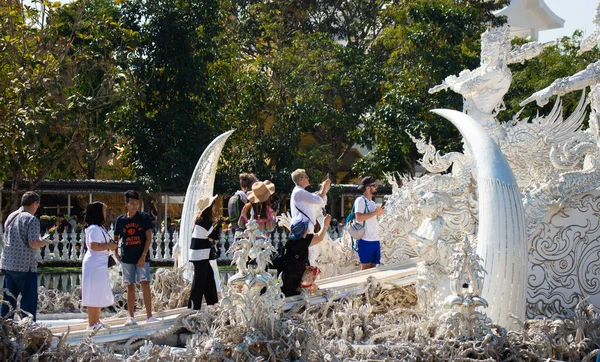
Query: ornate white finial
[464, 321]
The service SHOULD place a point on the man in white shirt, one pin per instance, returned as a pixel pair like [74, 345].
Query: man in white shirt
[365, 209]
[303, 204]
[303, 201]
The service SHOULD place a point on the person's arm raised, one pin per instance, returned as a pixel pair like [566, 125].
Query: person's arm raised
[320, 236]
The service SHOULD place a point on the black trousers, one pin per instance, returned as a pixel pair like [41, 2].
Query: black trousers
[295, 262]
[203, 285]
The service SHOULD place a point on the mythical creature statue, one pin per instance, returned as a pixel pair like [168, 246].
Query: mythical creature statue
[575, 157]
[432, 280]
[525, 143]
[426, 240]
[589, 77]
[501, 234]
[484, 88]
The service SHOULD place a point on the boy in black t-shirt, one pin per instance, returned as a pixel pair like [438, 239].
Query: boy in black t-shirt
[134, 228]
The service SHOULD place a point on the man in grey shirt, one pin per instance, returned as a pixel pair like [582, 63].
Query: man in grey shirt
[18, 264]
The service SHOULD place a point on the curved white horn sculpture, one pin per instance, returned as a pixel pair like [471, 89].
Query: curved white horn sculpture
[201, 184]
[501, 238]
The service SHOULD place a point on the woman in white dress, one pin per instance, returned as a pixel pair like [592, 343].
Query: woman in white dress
[96, 291]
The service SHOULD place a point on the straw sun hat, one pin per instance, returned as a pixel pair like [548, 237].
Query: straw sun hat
[204, 202]
[261, 191]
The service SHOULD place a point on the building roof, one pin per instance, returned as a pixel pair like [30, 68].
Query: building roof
[78, 186]
[528, 17]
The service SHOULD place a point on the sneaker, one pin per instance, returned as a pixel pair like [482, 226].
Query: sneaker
[152, 319]
[130, 322]
[96, 326]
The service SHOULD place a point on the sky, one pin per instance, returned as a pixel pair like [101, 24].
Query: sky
[577, 14]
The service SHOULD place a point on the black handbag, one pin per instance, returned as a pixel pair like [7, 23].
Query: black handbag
[111, 261]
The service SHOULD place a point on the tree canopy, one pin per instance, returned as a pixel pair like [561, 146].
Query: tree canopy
[148, 84]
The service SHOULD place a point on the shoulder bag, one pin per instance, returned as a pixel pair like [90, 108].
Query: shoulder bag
[353, 227]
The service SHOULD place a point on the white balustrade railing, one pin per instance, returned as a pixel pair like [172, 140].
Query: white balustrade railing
[69, 246]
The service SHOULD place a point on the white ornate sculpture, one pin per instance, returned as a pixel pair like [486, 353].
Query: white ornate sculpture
[432, 281]
[484, 88]
[554, 162]
[590, 76]
[252, 297]
[464, 320]
[501, 238]
[201, 184]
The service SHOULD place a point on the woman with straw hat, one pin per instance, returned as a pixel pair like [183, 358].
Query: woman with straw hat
[259, 198]
[203, 238]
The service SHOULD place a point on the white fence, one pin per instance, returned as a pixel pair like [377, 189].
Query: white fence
[69, 246]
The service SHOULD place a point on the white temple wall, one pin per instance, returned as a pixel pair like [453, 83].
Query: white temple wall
[564, 258]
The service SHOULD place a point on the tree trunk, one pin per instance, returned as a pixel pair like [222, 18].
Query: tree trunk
[14, 195]
[1, 217]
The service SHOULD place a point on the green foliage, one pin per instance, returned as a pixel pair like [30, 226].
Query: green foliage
[294, 93]
[173, 109]
[302, 82]
[60, 71]
[557, 61]
[426, 41]
[33, 133]
[98, 58]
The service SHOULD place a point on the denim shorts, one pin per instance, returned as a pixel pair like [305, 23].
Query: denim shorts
[369, 251]
[133, 275]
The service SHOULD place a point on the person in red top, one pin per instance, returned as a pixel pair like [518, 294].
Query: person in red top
[134, 229]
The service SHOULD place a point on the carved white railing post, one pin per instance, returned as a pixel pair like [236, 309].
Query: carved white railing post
[283, 238]
[38, 254]
[222, 240]
[151, 250]
[168, 246]
[275, 239]
[73, 278]
[65, 249]
[46, 256]
[56, 255]
[175, 239]
[158, 242]
[73, 250]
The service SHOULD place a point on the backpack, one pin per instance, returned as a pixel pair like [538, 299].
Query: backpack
[354, 228]
[234, 208]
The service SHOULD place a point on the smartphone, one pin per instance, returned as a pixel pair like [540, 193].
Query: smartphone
[46, 237]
